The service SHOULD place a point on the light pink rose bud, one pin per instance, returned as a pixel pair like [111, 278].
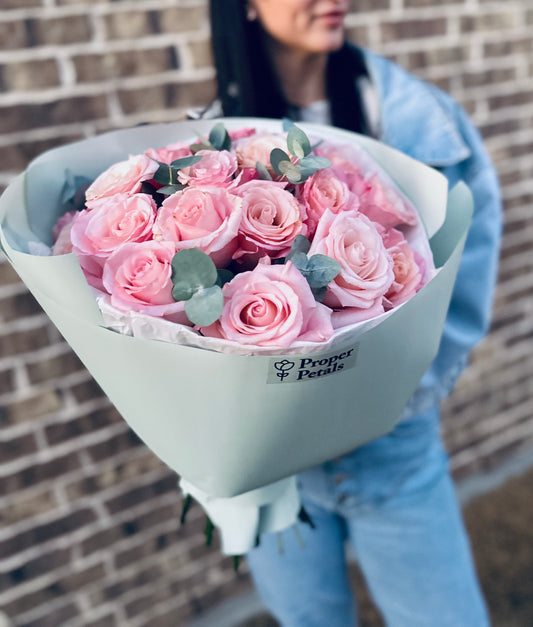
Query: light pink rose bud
[111, 222]
[366, 266]
[325, 189]
[384, 206]
[61, 233]
[271, 306]
[408, 269]
[169, 153]
[271, 219]
[215, 169]
[206, 219]
[124, 177]
[139, 277]
[258, 148]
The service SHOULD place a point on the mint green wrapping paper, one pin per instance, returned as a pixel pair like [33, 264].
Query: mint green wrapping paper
[231, 423]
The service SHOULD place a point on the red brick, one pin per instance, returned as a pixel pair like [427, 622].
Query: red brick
[32, 75]
[61, 365]
[58, 528]
[24, 341]
[17, 156]
[53, 617]
[363, 6]
[181, 19]
[174, 95]
[7, 381]
[59, 31]
[67, 111]
[141, 494]
[411, 29]
[14, 35]
[24, 506]
[84, 425]
[19, 306]
[45, 402]
[88, 390]
[37, 566]
[114, 445]
[130, 24]
[16, 447]
[37, 472]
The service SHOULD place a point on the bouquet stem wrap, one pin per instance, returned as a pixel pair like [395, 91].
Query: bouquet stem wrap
[229, 424]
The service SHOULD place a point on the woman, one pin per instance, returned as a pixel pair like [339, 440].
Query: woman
[392, 498]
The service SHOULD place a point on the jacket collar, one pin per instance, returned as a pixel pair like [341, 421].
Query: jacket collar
[431, 136]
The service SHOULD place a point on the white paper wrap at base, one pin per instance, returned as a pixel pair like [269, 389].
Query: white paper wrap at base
[241, 519]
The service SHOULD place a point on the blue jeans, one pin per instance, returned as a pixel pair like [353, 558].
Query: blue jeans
[394, 501]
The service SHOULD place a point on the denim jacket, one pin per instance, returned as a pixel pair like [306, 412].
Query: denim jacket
[423, 122]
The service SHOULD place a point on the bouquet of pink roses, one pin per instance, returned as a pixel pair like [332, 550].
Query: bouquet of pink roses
[266, 286]
[257, 238]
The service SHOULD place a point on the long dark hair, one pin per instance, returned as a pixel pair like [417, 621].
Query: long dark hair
[247, 84]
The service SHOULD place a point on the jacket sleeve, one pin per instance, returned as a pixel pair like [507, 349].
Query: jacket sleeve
[468, 317]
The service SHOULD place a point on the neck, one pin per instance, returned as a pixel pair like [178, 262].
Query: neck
[302, 76]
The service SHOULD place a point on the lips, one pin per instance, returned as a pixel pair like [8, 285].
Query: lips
[333, 18]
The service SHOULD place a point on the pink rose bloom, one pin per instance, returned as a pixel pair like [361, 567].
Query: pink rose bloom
[258, 148]
[408, 269]
[215, 169]
[344, 158]
[61, 233]
[241, 133]
[382, 205]
[325, 189]
[366, 266]
[271, 219]
[111, 222]
[271, 306]
[169, 153]
[206, 219]
[124, 177]
[138, 277]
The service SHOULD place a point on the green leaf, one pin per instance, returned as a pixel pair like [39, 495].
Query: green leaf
[219, 137]
[197, 147]
[321, 270]
[319, 293]
[300, 260]
[205, 306]
[300, 245]
[224, 276]
[286, 124]
[298, 142]
[278, 156]
[264, 174]
[316, 163]
[168, 190]
[185, 162]
[192, 270]
[291, 171]
[166, 175]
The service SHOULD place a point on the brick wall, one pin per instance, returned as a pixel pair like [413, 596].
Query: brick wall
[89, 532]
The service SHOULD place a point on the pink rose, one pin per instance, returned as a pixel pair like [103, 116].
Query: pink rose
[325, 189]
[61, 233]
[124, 177]
[366, 266]
[271, 306]
[111, 222]
[169, 153]
[258, 148]
[138, 277]
[241, 133]
[206, 219]
[384, 206]
[271, 219]
[408, 269]
[344, 158]
[215, 169]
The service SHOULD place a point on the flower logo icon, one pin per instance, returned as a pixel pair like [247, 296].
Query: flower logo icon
[283, 367]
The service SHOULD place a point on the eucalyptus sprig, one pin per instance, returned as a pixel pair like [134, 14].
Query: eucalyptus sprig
[218, 139]
[319, 270]
[167, 174]
[298, 164]
[73, 191]
[197, 281]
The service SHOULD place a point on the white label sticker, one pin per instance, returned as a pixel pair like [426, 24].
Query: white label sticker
[298, 368]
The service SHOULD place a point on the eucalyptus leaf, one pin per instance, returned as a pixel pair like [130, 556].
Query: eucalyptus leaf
[219, 137]
[224, 276]
[186, 162]
[299, 259]
[205, 306]
[298, 143]
[168, 190]
[197, 147]
[319, 293]
[192, 270]
[261, 169]
[300, 245]
[314, 162]
[286, 124]
[322, 270]
[166, 175]
[291, 171]
[278, 156]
